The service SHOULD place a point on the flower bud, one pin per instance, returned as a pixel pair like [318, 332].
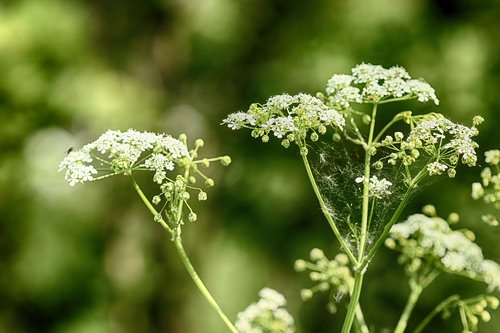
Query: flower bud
[429, 210]
[199, 143]
[316, 254]
[453, 218]
[209, 182]
[379, 165]
[202, 196]
[192, 217]
[303, 151]
[336, 137]
[366, 119]
[156, 199]
[225, 160]
[285, 143]
[314, 136]
[306, 294]
[477, 120]
[265, 138]
[300, 265]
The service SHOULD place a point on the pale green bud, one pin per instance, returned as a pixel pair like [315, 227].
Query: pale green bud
[306, 294]
[366, 119]
[300, 265]
[322, 129]
[379, 165]
[205, 162]
[285, 143]
[336, 137]
[316, 254]
[209, 182]
[183, 137]
[485, 316]
[477, 120]
[156, 199]
[453, 218]
[202, 196]
[429, 210]
[192, 179]
[192, 217]
[452, 173]
[493, 302]
[304, 151]
[199, 143]
[185, 195]
[225, 160]
[314, 136]
[265, 138]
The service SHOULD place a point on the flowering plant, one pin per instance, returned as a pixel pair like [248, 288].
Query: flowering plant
[392, 168]
[361, 194]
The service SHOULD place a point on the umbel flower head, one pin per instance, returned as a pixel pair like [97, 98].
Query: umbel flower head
[175, 167]
[268, 315]
[430, 242]
[328, 275]
[489, 187]
[302, 117]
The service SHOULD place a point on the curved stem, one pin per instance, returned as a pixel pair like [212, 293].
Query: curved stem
[201, 286]
[327, 214]
[435, 311]
[184, 257]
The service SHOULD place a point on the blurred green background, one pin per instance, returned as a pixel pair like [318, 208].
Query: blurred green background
[91, 259]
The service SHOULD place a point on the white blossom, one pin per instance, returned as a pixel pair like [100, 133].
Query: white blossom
[436, 168]
[267, 315]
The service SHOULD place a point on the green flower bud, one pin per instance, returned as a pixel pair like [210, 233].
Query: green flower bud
[303, 151]
[336, 137]
[285, 143]
[314, 136]
[477, 120]
[199, 143]
[366, 119]
[192, 179]
[156, 199]
[209, 182]
[225, 160]
[306, 294]
[453, 218]
[321, 129]
[265, 138]
[185, 195]
[452, 173]
[192, 217]
[379, 165]
[316, 254]
[202, 196]
[300, 265]
[429, 210]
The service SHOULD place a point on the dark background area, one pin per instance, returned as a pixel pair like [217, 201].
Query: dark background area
[90, 259]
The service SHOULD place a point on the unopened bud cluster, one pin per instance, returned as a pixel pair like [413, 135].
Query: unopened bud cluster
[334, 275]
[489, 187]
[472, 310]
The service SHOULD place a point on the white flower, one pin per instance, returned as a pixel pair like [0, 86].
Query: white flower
[267, 315]
[337, 82]
[453, 250]
[423, 91]
[364, 73]
[379, 188]
[117, 152]
[436, 168]
[492, 157]
[238, 119]
[281, 125]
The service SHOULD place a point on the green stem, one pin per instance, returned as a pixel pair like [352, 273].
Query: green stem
[184, 257]
[394, 218]
[366, 188]
[201, 286]
[360, 320]
[416, 290]
[435, 311]
[327, 214]
[354, 302]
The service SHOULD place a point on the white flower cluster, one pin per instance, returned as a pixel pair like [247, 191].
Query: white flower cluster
[442, 142]
[119, 152]
[266, 316]
[489, 187]
[287, 117]
[374, 83]
[431, 239]
[327, 274]
[378, 188]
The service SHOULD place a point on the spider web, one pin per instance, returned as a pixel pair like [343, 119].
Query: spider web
[335, 167]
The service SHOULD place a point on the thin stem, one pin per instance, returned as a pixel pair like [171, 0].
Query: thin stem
[404, 98]
[149, 205]
[201, 286]
[183, 256]
[394, 218]
[366, 189]
[327, 214]
[435, 311]
[354, 302]
[416, 290]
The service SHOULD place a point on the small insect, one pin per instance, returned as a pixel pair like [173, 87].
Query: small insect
[70, 149]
